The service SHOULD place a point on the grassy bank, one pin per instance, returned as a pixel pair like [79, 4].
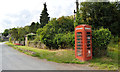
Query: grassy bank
[60, 56]
[109, 62]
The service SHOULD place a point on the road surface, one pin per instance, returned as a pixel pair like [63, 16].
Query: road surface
[0, 57]
[15, 60]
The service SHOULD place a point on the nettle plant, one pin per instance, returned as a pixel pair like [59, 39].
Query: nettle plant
[100, 40]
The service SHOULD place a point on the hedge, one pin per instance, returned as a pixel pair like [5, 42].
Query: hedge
[100, 40]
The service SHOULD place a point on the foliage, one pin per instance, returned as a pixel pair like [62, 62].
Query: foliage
[104, 63]
[6, 32]
[14, 33]
[101, 39]
[110, 61]
[64, 40]
[31, 36]
[65, 24]
[37, 39]
[10, 39]
[55, 27]
[67, 56]
[33, 27]
[44, 16]
[21, 34]
[27, 29]
[47, 33]
[99, 14]
[78, 19]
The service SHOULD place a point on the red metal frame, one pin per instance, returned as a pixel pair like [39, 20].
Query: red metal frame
[83, 42]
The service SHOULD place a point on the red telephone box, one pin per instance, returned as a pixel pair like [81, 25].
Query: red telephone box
[83, 42]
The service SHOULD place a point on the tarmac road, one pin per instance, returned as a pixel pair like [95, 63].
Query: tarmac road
[14, 60]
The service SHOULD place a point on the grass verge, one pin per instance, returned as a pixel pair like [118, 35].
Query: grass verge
[59, 56]
[109, 62]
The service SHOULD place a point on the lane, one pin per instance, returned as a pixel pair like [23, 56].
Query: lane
[0, 56]
[14, 60]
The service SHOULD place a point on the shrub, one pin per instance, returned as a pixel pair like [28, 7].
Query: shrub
[10, 39]
[52, 34]
[69, 38]
[64, 40]
[100, 40]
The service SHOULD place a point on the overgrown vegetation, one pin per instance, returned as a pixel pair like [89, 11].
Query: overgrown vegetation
[58, 33]
[100, 40]
[54, 33]
[104, 14]
[111, 60]
[60, 56]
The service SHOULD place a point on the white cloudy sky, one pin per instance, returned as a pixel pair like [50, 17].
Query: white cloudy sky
[19, 13]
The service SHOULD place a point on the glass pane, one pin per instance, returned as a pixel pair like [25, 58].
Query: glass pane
[78, 51]
[78, 45]
[88, 45]
[88, 41]
[79, 54]
[88, 38]
[78, 42]
[79, 32]
[88, 32]
[78, 39]
[79, 36]
[88, 35]
[78, 48]
[88, 48]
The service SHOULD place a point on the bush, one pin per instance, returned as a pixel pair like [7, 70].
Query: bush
[10, 39]
[53, 33]
[100, 40]
[64, 40]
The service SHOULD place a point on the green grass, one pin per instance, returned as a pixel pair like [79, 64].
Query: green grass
[59, 56]
[109, 62]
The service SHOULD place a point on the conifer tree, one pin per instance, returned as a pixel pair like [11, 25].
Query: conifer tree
[44, 16]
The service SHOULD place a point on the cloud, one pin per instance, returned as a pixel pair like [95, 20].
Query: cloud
[19, 13]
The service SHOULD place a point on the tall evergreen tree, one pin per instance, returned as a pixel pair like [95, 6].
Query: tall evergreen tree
[44, 16]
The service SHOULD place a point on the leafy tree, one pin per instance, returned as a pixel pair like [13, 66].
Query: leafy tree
[52, 31]
[33, 27]
[44, 16]
[27, 29]
[14, 33]
[99, 14]
[21, 34]
[65, 24]
[47, 33]
[6, 32]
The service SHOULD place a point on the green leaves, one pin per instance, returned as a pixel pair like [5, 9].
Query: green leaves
[101, 39]
[99, 14]
[44, 16]
[6, 32]
[57, 33]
